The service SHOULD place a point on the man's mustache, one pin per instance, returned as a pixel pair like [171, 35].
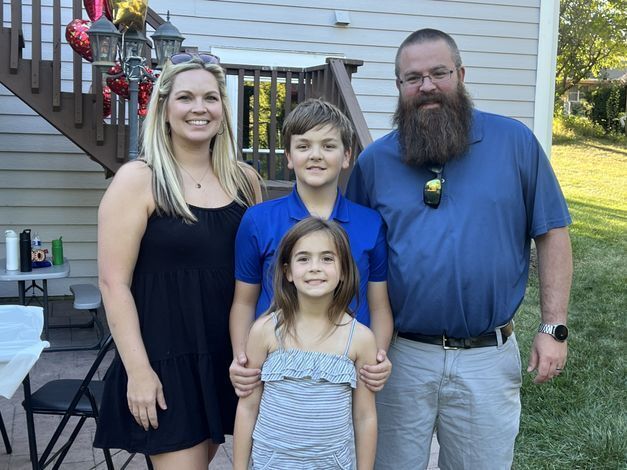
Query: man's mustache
[422, 100]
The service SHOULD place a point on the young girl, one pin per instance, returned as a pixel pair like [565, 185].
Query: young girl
[310, 348]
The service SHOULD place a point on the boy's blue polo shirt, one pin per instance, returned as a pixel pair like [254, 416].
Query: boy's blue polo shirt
[263, 226]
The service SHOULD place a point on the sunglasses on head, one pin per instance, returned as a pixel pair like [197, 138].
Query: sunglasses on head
[182, 57]
[432, 192]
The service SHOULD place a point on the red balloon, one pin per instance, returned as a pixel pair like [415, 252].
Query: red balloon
[143, 98]
[96, 8]
[77, 38]
[106, 101]
[118, 85]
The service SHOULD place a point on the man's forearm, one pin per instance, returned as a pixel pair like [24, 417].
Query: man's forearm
[555, 271]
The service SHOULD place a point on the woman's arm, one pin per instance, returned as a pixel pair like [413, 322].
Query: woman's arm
[375, 374]
[364, 410]
[248, 407]
[244, 377]
[122, 219]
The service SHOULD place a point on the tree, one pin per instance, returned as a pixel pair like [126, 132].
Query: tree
[592, 37]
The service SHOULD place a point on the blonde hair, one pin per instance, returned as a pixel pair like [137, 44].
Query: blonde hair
[285, 300]
[158, 152]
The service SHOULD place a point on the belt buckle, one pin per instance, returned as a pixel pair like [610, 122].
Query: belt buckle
[446, 346]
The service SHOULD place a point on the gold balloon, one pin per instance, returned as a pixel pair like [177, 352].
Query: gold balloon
[131, 14]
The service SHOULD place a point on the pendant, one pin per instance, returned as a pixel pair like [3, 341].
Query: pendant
[198, 185]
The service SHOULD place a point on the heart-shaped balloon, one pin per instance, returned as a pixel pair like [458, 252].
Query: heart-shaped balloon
[106, 101]
[77, 38]
[143, 97]
[96, 8]
[117, 82]
[130, 14]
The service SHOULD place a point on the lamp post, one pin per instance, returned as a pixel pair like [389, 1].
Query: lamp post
[105, 45]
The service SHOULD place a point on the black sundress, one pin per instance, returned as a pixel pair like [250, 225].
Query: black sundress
[183, 286]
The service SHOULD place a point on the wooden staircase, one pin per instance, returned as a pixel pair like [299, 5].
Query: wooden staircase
[78, 115]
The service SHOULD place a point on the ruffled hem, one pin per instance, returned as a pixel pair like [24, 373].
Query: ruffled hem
[201, 405]
[298, 364]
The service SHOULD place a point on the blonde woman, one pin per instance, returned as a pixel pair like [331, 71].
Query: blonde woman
[166, 233]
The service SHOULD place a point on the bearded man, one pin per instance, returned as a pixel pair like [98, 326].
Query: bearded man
[463, 193]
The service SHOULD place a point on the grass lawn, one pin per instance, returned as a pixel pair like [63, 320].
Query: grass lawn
[579, 420]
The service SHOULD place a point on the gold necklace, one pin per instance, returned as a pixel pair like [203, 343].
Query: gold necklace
[198, 185]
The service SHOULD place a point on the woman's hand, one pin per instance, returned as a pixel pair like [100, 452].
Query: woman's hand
[144, 392]
[375, 376]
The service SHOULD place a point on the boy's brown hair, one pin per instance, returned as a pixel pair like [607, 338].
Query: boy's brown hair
[314, 113]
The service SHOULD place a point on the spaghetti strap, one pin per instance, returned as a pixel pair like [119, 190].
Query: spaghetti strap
[350, 337]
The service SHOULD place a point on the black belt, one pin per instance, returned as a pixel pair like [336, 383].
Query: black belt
[482, 341]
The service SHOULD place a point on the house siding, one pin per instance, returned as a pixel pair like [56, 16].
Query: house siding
[48, 185]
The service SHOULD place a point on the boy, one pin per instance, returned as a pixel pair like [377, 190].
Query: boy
[318, 140]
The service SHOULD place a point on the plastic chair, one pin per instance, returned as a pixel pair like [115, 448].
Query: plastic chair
[69, 398]
[86, 297]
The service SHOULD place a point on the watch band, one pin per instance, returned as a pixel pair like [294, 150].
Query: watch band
[558, 331]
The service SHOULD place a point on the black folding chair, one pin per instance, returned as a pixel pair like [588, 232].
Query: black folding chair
[5, 436]
[67, 398]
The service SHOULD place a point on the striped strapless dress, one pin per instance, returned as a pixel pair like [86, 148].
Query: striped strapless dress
[305, 414]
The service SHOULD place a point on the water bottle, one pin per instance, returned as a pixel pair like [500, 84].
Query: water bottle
[36, 242]
[57, 251]
[26, 264]
[12, 249]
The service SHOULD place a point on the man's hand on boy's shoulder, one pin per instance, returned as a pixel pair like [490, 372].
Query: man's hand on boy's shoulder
[376, 375]
[244, 380]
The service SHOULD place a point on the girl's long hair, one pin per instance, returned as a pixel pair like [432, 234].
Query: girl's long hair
[158, 152]
[285, 301]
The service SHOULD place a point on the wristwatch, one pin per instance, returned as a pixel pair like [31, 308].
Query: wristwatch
[559, 332]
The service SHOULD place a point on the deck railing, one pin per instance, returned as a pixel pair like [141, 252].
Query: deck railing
[265, 95]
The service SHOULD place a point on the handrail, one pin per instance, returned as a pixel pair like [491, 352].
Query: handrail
[79, 115]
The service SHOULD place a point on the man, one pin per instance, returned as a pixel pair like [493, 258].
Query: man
[462, 193]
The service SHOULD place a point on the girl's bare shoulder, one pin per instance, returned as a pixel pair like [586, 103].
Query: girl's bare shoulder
[363, 346]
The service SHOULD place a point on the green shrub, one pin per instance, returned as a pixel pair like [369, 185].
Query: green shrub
[576, 126]
[607, 104]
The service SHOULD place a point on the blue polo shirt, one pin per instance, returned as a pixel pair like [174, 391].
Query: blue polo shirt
[263, 226]
[461, 269]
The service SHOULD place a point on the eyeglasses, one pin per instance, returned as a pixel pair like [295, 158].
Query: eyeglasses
[432, 192]
[182, 57]
[437, 76]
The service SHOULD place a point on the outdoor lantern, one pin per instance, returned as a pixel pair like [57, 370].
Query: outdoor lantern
[133, 43]
[103, 39]
[168, 40]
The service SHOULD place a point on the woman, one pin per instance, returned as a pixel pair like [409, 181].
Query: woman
[166, 231]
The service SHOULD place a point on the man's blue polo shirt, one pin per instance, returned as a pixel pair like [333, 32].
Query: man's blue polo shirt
[263, 226]
[461, 269]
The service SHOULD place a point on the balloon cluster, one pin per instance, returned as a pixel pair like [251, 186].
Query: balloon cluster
[118, 84]
[126, 14]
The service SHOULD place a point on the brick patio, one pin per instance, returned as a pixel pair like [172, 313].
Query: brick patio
[54, 365]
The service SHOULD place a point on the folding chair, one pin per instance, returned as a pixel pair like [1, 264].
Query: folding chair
[5, 436]
[68, 398]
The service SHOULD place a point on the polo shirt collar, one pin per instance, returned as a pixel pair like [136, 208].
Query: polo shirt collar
[476, 129]
[297, 210]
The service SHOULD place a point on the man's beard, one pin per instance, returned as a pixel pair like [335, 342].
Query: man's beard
[434, 135]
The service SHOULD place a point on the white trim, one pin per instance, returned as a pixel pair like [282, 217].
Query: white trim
[270, 58]
[545, 72]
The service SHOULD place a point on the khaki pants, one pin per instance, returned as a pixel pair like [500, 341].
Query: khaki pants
[470, 397]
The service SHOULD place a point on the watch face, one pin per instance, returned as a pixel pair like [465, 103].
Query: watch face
[561, 332]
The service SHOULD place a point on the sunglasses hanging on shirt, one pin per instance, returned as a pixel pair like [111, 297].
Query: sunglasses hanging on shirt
[432, 191]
